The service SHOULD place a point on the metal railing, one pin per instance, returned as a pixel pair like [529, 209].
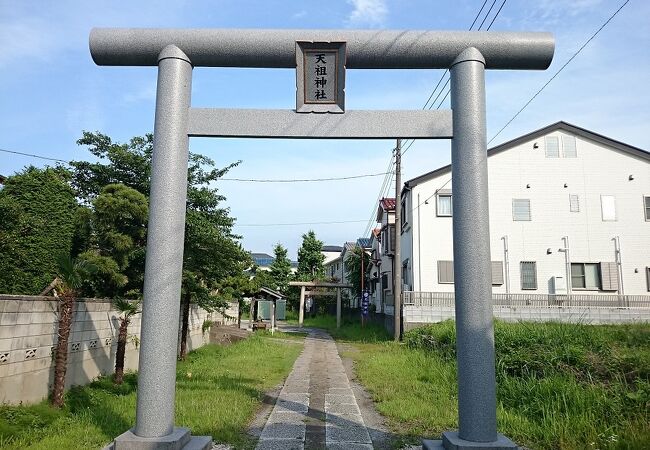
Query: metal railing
[446, 299]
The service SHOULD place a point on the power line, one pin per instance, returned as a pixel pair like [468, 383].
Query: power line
[385, 188]
[560, 70]
[302, 180]
[249, 180]
[34, 156]
[487, 14]
[289, 224]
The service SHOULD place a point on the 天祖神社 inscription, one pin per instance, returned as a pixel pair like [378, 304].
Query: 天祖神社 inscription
[320, 76]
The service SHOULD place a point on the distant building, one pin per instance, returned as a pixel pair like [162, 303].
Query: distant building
[263, 261]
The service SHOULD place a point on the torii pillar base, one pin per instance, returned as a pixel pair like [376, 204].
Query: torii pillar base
[451, 441]
[179, 439]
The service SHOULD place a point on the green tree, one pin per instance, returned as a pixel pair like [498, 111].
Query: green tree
[127, 310]
[124, 163]
[37, 224]
[353, 269]
[281, 269]
[310, 258]
[71, 274]
[117, 241]
[211, 250]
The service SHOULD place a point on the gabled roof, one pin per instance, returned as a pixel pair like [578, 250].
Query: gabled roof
[564, 126]
[332, 248]
[364, 242]
[271, 292]
[385, 204]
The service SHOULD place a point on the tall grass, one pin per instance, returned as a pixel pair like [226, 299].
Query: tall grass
[218, 390]
[559, 386]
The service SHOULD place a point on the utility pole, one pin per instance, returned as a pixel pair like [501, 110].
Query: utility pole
[363, 319]
[397, 259]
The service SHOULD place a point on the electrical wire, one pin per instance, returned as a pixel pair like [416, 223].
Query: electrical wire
[487, 14]
[33, 156]
[249, 180]
[560, 70]
[385, 188]
[302, 180]
[295, 223]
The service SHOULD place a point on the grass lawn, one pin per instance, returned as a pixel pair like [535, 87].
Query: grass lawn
[350, 331]
[218, 390]
[560, 386]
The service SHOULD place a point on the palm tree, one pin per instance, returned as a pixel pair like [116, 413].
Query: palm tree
[72, 274]
[127, 309]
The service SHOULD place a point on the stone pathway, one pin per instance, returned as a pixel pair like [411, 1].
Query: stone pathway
[316, 407]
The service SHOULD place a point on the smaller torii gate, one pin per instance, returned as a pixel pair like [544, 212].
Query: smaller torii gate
[317, 284]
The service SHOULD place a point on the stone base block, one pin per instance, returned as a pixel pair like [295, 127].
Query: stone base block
[179, 439]
[451, 441]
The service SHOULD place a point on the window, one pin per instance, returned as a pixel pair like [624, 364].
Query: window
[497, 273]
[569, 146]
[585, 276]
[405, 272]
[403, 216]
[386, 283]
[528, 271]
[445, 272]
[647, 277]
[574, 203]
[609, 276]
[443, 203]
[552, 146]
[520, 209]
[608, 207]
[388, 239]
[646, 205]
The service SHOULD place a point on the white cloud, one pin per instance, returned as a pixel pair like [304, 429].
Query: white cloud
[368, 12]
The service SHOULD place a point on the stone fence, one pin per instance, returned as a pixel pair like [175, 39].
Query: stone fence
[28, 336]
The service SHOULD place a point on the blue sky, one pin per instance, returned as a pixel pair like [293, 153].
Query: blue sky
[50, 90]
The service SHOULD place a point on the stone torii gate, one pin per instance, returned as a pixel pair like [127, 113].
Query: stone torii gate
[177, 51]
[319, 284]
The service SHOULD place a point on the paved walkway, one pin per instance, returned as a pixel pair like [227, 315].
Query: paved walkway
[316, 407]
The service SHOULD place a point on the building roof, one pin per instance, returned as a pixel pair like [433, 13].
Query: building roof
[364, 242]
[564, 126]
[349, 245]
[332, 248]
[387, 203]
[271, 292]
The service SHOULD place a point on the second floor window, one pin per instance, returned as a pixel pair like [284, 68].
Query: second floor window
[443, 205]
[521, 209]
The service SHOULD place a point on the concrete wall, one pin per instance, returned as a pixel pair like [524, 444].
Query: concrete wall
[524, 172]
[28, 327]
[415, 316]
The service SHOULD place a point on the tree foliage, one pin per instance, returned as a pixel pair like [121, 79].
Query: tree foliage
[281, 269]
[116, 245]
[310, 258]
[38, 209]
[353, 269]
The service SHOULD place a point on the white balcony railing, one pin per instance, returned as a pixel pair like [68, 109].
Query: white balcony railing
[446, 299]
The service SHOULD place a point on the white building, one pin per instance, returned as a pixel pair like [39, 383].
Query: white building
[555, 183]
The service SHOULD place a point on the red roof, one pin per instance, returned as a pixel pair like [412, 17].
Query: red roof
[387, 203]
